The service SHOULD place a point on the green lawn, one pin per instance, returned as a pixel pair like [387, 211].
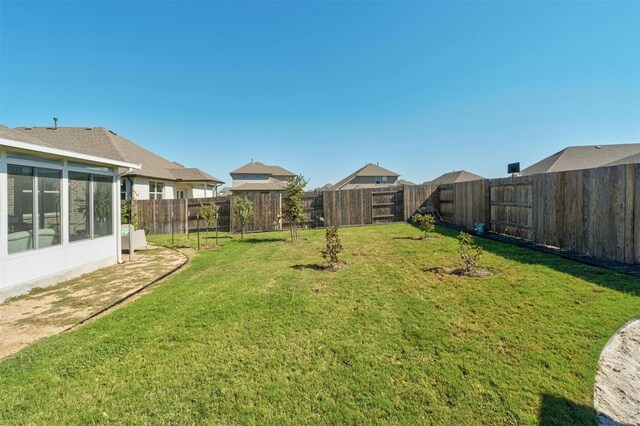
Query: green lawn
[252, 333]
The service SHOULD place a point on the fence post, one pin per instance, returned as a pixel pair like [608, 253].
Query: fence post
[186, 216]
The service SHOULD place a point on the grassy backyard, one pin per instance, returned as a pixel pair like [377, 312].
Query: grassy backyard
[253, 333]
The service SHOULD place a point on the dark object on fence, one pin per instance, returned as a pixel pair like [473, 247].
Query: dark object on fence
[513, 168]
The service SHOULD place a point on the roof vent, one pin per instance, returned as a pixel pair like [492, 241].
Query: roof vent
[88, 128]
[598, 146]
[55, 122]
[112, 132]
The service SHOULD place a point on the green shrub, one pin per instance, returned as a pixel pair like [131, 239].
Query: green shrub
[425, 222]
[469, 251]
[244, 210]
[334, 246]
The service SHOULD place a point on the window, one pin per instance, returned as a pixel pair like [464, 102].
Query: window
[102, 202]
[34, 219]
[48, 207]
[79, 206]
[90, 206]
[155, 190]
[124, 196]
[180, 194]
[381, 180]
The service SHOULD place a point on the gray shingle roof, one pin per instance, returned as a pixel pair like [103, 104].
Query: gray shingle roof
[103, 142]
[256, 186]
[192, 175]
[368, 170]
[255, 167]
[455, 177]
[15, 135]
[585, 157]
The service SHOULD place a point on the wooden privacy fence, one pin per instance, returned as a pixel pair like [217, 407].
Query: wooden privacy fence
[589, 211]
[323, 208]
[593, 211]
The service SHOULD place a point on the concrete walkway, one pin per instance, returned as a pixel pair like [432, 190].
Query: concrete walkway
[617, 389]
[48, 311]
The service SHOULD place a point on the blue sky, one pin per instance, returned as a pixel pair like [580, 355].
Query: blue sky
[322, 88]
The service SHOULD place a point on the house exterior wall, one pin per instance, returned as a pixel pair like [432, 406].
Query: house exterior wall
[44, 266]
[198, 191]
[240, 179]
[371, 180]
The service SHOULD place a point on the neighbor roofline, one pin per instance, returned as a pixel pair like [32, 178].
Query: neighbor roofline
[10, 143]
[134, 174]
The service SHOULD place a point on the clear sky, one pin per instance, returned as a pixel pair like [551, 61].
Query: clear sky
[321, 88]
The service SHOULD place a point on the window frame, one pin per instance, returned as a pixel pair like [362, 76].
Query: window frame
[153, 195]
[35, 167]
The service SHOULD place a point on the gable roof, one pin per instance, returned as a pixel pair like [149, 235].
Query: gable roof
[102, 142]
[256, 167]
[18, 140]
[585, 157]
[367, 170]
[454, 177]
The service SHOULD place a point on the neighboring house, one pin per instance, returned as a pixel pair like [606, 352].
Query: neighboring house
[405, 182]
[586, 157]
[369, 176]
[258, 178]
[454, 177]
[325, 187]
[158, 178]
[59, 212]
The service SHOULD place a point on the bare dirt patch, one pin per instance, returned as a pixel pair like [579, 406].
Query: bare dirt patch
[48, 311]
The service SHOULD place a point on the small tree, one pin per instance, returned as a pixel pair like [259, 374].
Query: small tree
[334, 246]
[293, 211]
[244, 210]
[469, 251]
[425, 222]
[209, 212]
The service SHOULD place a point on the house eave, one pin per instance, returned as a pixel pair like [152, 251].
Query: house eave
[25, 146]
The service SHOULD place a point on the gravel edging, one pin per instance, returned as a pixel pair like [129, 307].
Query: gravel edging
[129, 295]
[616, 394]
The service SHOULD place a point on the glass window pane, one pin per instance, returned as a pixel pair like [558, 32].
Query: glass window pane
[79, 212]
[20, 208]
[102, 202]
[49, 221]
